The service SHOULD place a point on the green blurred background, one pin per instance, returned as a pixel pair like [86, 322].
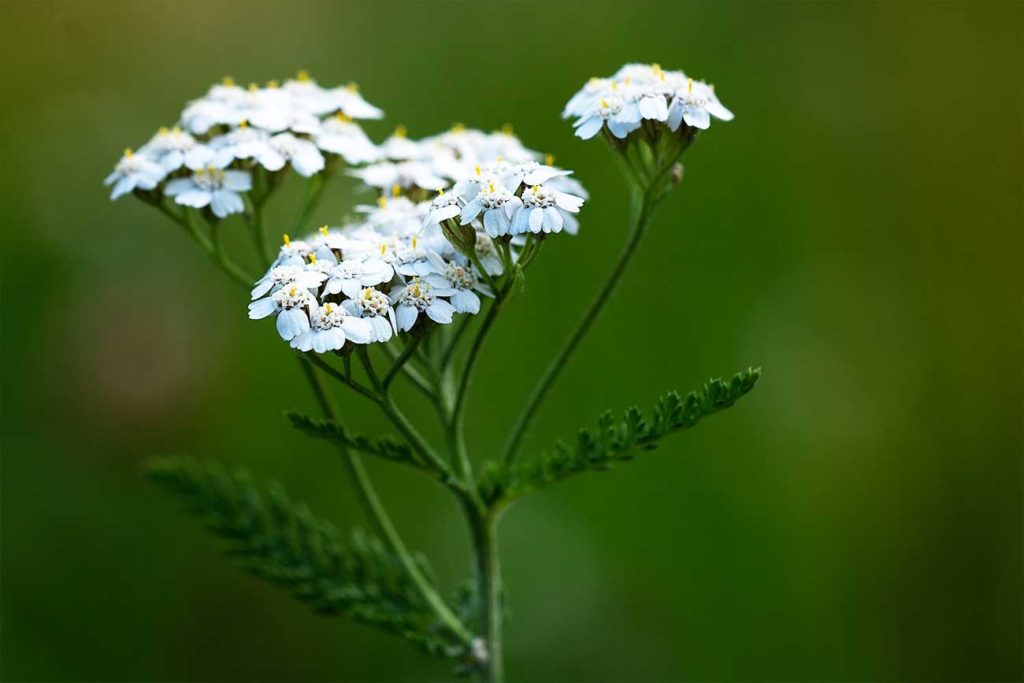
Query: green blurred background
[856, 231]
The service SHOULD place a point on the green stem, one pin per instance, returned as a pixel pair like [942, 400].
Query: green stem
[402, 423]
[212, 249]
[379, 516]
[414, 375]
[400, 362]
[483, 528]
[456, 424]
[314, 192]
[643, 208]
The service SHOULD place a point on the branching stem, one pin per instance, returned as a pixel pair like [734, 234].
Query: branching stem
[643, 206]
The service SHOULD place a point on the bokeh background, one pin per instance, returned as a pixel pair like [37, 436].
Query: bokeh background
[856, 231]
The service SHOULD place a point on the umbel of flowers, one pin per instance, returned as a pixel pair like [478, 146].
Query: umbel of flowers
[405, 263]
[207, 159]
[414, 278]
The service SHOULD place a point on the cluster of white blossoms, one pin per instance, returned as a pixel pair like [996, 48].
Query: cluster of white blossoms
[639, 92]
[207, 159]
[395, 267]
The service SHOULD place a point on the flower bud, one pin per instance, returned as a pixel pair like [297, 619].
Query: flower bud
[462, 237]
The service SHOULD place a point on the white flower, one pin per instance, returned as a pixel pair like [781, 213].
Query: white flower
[269, 108]
[695, 105]
[293, 252]
[330, 326]
[282, 276]
[461, 280]
[169, 148]
[247, 142]
[404, 174]
[442, 207]
[351, 276]
[529, 173]
[303, 155]
[340, 135]
[134, 171]
[211, 187]
[419, 296]
[398, 147]
[374, 306]
[498, 206]
[351, 102]
[545, 210]
[220, 106]
[621, 118]
[290, 304]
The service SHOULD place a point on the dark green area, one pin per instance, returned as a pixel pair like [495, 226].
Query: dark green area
[856, 232]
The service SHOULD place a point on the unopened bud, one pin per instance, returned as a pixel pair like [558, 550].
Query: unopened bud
[479, 650]
[677, 173]
[462, 237]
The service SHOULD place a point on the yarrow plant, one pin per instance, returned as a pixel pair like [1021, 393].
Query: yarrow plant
[408, 291]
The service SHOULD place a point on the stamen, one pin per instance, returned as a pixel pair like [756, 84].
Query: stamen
[302, 76]
[352, 86]
[227, 82]
[396, 190]
[507, 129]
[382, 201]
[440, 191]
[549, 159]
[291, 292]
[312, 259]
[244, 123]
[323, 230]
[400, 131]
[342, 116]
[129, 153]
[689, 86]
[383, 248]
[458, 128]
[287, 240]
[273, 83]
[475, 168]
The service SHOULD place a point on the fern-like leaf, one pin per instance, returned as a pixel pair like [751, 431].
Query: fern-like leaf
[280, 540]
[614, 440]
[385, 447]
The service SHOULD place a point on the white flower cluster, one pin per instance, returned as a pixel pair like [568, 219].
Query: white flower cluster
[206, 160]
[639, 92]
[369, 280]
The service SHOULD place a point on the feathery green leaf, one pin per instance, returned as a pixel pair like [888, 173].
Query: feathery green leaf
[280, 540]
[614, 440]
[385, 447]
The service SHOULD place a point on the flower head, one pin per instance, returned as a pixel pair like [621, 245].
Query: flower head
[639, 92]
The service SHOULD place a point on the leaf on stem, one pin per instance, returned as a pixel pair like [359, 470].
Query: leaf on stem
[614, 440]
[385, 447]
[281, 541]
